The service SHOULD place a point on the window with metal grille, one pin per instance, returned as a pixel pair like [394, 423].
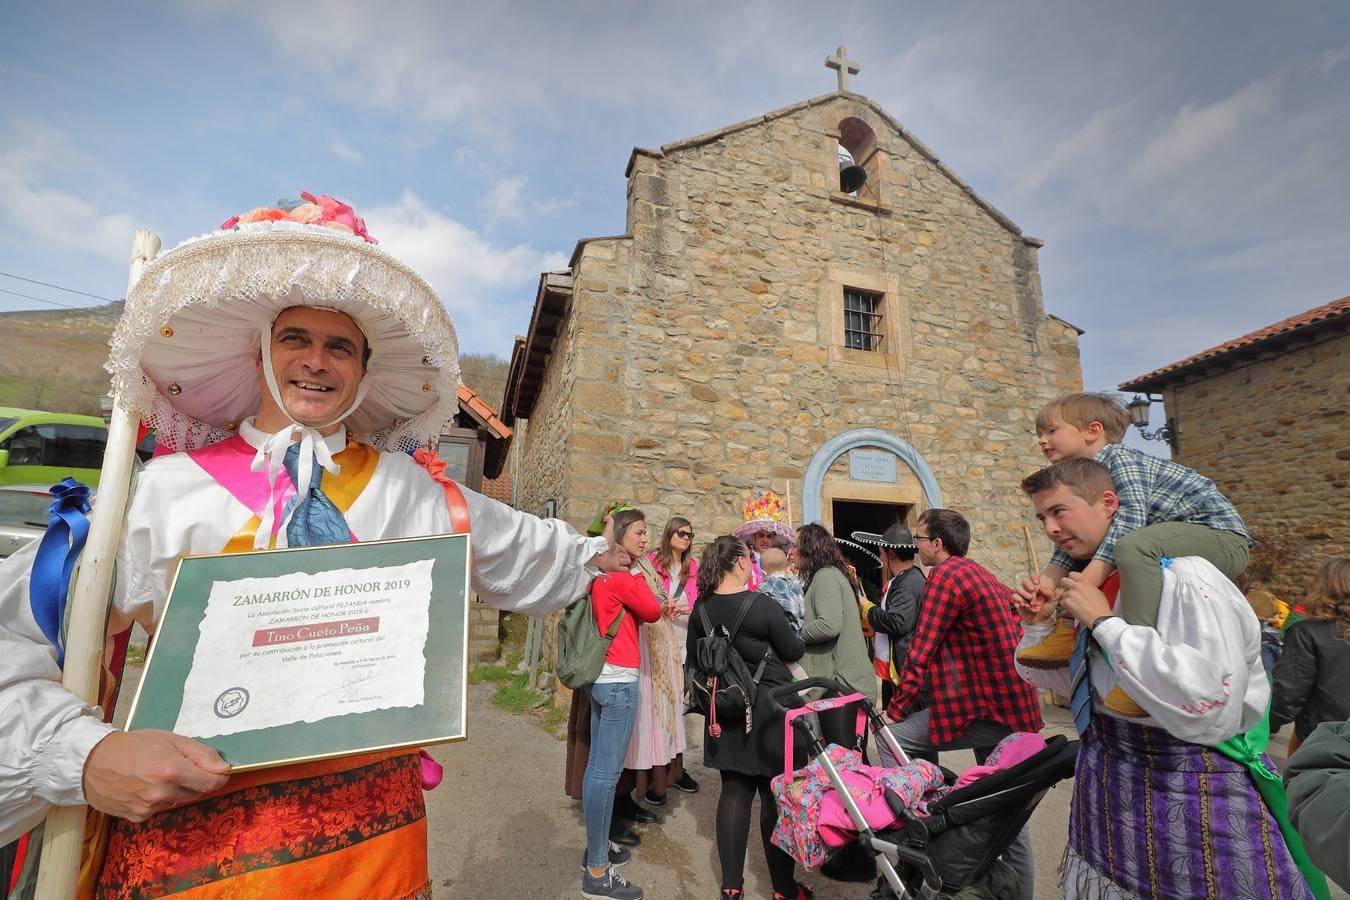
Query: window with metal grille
[862, 320]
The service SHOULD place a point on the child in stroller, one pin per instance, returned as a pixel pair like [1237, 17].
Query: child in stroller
[932, 835]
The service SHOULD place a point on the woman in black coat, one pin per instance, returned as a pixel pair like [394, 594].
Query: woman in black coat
[747, 762]
[1313, 671]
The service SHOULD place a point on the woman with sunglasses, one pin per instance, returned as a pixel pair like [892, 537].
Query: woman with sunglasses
[678, 570]
[656, 750]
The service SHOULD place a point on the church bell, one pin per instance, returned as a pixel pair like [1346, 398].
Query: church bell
[851, 176]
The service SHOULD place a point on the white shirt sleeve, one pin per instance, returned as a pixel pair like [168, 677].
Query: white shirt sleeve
[47, 731]
[1198, 674]
[524, 563]
[1056, 680]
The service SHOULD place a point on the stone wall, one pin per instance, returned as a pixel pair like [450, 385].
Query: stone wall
[1272, 434]
[704, 357]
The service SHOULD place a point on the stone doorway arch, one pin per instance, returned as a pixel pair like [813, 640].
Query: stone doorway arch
[813, 481]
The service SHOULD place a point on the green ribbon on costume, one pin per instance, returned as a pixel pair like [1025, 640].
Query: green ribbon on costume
[1247, 750]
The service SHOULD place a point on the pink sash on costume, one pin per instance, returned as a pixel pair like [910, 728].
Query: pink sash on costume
[228, 463]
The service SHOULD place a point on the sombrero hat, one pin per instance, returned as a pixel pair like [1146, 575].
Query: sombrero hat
[897, 537]
[183, 352]
[845, 542]
[764, 512]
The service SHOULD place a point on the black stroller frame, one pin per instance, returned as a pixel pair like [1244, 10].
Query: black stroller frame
[965, 831]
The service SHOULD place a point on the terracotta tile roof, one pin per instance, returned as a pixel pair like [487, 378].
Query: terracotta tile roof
[1320, 316]
[498, 488]
[486, 416]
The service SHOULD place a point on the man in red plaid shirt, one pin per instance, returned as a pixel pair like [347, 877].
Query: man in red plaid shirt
[962, 651]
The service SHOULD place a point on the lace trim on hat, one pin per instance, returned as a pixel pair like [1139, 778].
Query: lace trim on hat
[270, 259]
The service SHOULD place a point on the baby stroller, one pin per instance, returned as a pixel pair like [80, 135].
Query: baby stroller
[956, 837]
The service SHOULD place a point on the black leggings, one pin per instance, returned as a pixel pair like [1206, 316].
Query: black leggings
[733, 831]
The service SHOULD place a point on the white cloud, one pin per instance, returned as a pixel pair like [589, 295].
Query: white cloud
[1194, 132]
[47, 211]
[1099, 136]
[510, 199]
[343, 150]
[488, 288]
[1331, 60]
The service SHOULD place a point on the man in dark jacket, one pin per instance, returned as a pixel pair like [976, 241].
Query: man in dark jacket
[898, 612]
[1318, 780]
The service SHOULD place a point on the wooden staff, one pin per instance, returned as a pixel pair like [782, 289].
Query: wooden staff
[1031, 549]
[63, 836]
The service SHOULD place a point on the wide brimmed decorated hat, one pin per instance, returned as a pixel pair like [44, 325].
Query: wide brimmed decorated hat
[897, 537]
[764, 512]
[184, 351]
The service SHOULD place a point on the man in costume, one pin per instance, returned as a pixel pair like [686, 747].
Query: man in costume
[764, 527]
[1182, 802]
[259, 352]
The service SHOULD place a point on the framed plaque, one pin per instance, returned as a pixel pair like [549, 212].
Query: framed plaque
[283, 656]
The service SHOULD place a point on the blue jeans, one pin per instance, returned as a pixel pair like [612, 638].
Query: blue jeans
[613, 708]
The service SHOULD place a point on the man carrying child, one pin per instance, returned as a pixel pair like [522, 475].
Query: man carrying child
[1177, 800]
[1165, 510]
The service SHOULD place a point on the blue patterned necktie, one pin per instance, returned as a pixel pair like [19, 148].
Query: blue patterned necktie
[1080, 690]
[314, 520]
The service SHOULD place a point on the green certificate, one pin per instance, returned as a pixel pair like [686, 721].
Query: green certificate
[281, 656]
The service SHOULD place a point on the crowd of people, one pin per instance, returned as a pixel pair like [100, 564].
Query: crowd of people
[1137, 619]
[294, 371]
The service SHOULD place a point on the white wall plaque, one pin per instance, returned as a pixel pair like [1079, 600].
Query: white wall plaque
[871, 465]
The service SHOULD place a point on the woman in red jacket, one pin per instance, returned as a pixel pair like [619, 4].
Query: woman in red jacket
[614, 697]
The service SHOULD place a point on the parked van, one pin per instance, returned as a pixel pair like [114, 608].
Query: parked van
[42, 447]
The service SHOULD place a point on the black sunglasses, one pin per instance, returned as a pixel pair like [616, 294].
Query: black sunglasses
[685, 534]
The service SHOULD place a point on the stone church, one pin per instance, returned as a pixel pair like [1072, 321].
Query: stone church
[866, 350]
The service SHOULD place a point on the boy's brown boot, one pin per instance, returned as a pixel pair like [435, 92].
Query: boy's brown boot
[1055, 651]
[1119, 702]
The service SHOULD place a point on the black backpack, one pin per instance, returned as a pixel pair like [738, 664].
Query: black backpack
[718, 681]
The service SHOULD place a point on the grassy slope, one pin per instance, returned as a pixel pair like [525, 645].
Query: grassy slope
[54, 360]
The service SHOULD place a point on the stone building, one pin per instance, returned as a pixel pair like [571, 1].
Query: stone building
[866, 354]
[1264, 415]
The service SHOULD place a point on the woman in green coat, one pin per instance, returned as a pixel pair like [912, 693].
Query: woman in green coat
[832, 626]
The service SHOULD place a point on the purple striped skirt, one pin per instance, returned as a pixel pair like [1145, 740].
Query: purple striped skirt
[1156, 818]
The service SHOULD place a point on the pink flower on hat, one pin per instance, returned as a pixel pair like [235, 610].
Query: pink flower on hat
[322, 210]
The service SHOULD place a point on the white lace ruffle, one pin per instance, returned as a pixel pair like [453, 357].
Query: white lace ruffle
[196, 311]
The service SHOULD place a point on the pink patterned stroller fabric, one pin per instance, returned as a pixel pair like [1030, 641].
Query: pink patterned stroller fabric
[811, 817]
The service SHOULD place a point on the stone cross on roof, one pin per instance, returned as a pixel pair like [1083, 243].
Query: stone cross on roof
[842, 65]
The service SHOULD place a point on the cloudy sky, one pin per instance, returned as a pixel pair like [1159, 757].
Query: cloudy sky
[1186, 163]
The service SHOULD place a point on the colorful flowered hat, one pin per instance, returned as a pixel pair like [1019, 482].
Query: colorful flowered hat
[764, 512]
[183, 352]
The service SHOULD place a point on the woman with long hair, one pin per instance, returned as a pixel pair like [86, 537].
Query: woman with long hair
[746, 761]
[1314, 667]
[655, 753]
[832, 627]
[613, 698]
[677, 572]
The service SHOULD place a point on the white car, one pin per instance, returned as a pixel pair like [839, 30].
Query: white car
[23, 516]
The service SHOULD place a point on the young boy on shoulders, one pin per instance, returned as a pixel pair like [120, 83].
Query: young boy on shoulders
[1166, 510]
